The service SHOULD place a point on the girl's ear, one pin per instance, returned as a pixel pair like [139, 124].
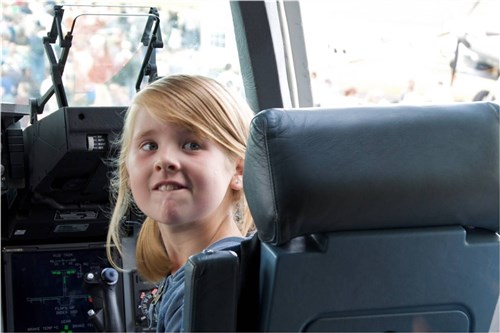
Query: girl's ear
[237, 181]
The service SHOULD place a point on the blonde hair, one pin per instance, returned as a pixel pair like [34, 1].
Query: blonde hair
[206, 108]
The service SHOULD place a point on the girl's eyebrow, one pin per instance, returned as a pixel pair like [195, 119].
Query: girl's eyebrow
[143, 134]
[183, 131]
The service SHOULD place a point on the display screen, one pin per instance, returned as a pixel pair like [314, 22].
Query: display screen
[46, 288]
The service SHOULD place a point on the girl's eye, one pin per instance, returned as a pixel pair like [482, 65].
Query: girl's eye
[191, 146]
[149, 146]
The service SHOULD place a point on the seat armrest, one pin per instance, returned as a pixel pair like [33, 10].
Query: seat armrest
[210, 300]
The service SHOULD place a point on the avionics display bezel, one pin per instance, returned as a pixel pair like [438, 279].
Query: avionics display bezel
[58, 301]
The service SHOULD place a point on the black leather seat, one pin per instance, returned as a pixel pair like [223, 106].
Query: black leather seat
[372, 219]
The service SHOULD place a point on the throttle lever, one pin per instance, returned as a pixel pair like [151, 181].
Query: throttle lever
[106, 314]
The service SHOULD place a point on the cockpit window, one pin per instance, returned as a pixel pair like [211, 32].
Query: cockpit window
[108, 47]
[375, 52]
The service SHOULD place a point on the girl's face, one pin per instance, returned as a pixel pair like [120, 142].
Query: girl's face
[177, 178]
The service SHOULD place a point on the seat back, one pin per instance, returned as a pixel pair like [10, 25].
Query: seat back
[368, 219]
[376, 218]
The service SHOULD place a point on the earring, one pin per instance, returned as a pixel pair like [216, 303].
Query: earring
[238, 214]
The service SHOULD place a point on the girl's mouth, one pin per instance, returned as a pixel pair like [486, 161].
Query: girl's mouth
[168, 187]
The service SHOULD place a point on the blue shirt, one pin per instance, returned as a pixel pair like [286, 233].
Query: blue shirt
[170, 306]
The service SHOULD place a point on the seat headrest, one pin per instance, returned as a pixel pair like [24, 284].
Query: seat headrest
[320, 170]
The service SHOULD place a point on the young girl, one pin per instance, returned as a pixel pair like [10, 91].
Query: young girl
[181, 164]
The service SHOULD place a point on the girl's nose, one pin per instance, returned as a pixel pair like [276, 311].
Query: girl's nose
[167, 162]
